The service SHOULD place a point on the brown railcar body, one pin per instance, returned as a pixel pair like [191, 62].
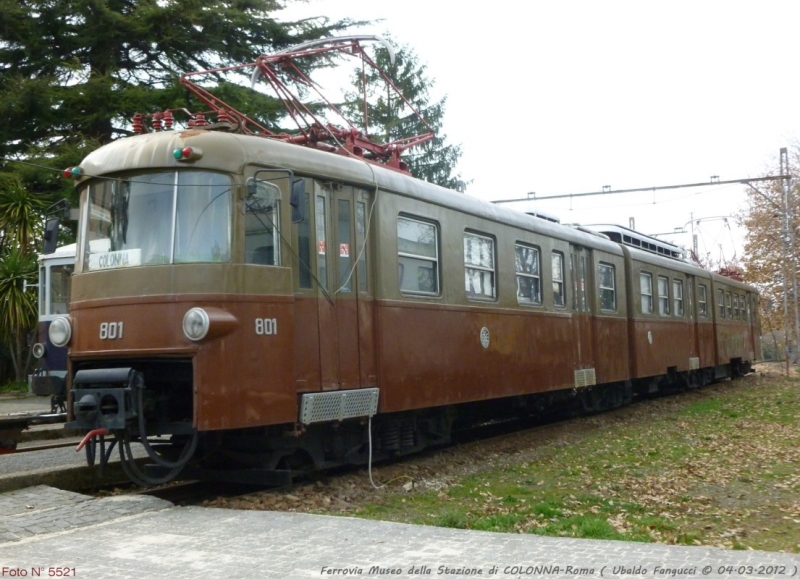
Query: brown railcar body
[342, 320]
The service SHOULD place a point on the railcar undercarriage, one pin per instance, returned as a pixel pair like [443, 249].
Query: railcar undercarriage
[118, 405]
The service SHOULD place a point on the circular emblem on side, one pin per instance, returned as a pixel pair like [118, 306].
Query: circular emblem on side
[485, 337]
[650, 337]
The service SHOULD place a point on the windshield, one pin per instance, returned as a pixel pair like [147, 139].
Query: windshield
[158, 218]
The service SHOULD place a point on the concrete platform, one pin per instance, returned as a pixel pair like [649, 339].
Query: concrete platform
[44, 530]
[28, 405]
[23, 403]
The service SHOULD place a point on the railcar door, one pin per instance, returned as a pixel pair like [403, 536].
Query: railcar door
[582, 300]
[345, 313]
[691, 313]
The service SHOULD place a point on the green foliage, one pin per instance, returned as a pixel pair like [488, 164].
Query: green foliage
[18, 312]
[390, 119]
[20, 214]
[19, 306]
[13, 388]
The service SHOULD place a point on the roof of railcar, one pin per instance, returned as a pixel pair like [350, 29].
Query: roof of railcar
[232, 152]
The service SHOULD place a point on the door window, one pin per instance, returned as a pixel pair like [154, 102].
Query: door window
[345, 245]
[322, 268]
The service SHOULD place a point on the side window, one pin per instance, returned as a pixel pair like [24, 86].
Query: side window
[677, 297]
[417, 256]
[262, 219]
[729, 308]
[608, 290]
[702, 301]
[529, 286]
[721, 303]
[646, 289]
[663, 295]
[736, 306]
[559, 297]
[479, 270]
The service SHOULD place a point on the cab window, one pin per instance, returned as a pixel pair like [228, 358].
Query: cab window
[262, 221]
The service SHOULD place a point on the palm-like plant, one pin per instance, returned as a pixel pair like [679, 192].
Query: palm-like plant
[20, 215]
[20, 228]
[17, 307]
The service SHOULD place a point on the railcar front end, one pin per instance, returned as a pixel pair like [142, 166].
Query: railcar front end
[181, 325]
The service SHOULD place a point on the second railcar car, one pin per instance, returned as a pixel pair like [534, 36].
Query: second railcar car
[49, 378]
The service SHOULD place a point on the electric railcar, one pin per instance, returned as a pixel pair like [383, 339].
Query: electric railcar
[245, 307]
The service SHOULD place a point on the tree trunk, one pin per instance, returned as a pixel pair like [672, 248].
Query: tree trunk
[20, 359]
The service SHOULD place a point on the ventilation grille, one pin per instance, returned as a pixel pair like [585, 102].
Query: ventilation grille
[585, 377]
[329, 406]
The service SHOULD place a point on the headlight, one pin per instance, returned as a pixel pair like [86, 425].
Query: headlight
[60, 331]
[37, 350]
[196, 324]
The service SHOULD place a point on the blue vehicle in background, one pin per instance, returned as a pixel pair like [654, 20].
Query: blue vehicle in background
[49, 378]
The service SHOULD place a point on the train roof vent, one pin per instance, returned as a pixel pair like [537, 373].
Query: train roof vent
[633, 238]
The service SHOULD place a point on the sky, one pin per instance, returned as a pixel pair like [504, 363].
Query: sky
[567, 97]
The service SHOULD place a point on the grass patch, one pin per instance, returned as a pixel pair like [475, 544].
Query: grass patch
[14, 388]
[717, 466]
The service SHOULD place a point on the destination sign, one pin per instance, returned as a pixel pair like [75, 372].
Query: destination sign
[112, 259]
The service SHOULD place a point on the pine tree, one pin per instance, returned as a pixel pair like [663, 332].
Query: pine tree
[390, 119]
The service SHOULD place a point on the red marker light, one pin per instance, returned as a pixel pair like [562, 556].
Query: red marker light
[72, 173]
